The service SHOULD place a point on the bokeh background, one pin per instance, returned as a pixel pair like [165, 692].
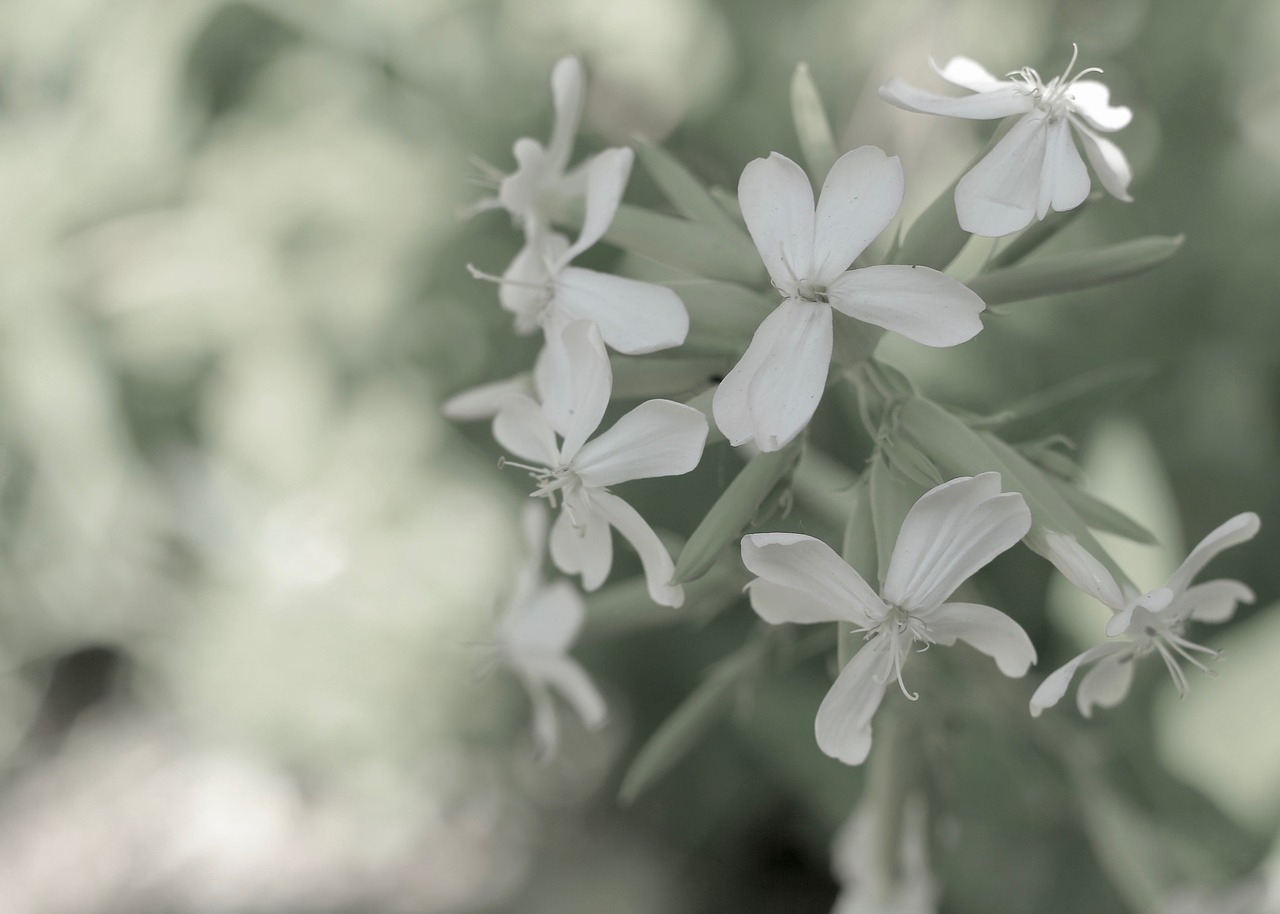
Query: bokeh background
[244, 561]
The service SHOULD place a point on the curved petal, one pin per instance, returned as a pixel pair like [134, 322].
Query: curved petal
[730, 405]
[566, 676]
[484, 400]
[567, 82]
[521, 428]
[998, 196]
[658, 567]
[1083, 570]
[1213, 601]
[985, 629]
[1237, 530]
[1108, 162]
[607, 175]
[1106, 684]
[526, 287]
[952, 531]
[807, 582]
[657, 438]
[580, 404]
[1064, 181]
[546, 623]
[777, 205]
[916, 302]
[1055, 685]
[584, 548]
[969, 74]
[843, 724]
[1093, 105]
[859, 199]
[634, 317]
[999, 102]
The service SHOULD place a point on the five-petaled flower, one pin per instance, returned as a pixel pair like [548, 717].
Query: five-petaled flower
[771, 394]
[657, 438]
[951, 532]
[1034, 167]
[1144, 623]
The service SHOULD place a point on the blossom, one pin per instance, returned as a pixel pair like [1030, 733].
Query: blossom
[1144, 623]
[1034, 167]
[951, 532]
[772, 392]
[535, 633]
[657, 438]
[542, 290]
[864, 889]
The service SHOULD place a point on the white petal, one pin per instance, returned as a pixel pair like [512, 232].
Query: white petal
[590, 384]
[1055, 685]
[1213, 601]
[1108, 162]
[1155, 602]
[806, 582]
[634, 317]
[546, 730]
[916, 302]
[525, 289]
[1064, 181]
[730, 405]
[1083, 570]
[658, 567]
[999, 102]
[843, 725]
[950, 532]
[1106, 684]
[657, 438]
[484, 400]
[859, 199]
[1237, 530]
[607, 176]
[985, 629]
[567, 82]
[1093, 104]
[547, 623]
[969, 74]
[777, 205]
[567, 677]
[519, 192]
[586, 549]
[998, 195]
[522, 429]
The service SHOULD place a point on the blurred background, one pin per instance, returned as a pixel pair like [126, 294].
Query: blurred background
[243, 560]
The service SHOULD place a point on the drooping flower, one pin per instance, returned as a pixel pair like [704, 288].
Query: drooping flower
[535, 634]
[951, 532]
[657, 438]
[542, 290]
[1034, 167]
[1147, 623]
[864, 888]
[771, 394]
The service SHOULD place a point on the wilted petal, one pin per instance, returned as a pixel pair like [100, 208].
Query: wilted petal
[985, 629]
[657, 438]
[607, 176]
[567, 81]
[1055, 685]
[1237, 530]
[566, 676]
[484, 400]
[859, 199]
[634, 317]
[585, 548]
[916, 302]
[801, 579]
[998, 102]
[522, 429]
[969, 74]
[1108, 162]
[998, 196]
[1106, 684]
[843, 725]
[546, 623]
[658, 567]
[777, 205]
[590, 382]
[1093, 104]
[1064, 181]
[1083, 570]
[1213, 601]
[952, 531]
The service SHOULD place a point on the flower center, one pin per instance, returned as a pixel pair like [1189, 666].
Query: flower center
[808, 290]
[562, 478]
[1151, 633]
[901, 630]
[1053, 97]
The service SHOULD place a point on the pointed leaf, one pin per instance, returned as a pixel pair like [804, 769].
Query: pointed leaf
[817, 142]
[1081, 397]
[686, 193]
[1101, 516]
[1075, 270]
[693, 247]
[1033, 236]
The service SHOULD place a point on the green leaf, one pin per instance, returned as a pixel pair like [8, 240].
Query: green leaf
[1036, 234]
[676, 736]
[1075, 270]
[891, 495]
[686, 193]
[722, 315]
[1075, 399]
[817, 143]
[734, 510]
[935, 238]
[636, 377]
[625, 607]
[1101, 516]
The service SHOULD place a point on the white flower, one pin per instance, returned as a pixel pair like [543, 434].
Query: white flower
[542, 290]
[951, 532]
[771, 394]
[657, 438]
[535, 634]
[1035, 167]
[864, 889]
[1144, 623]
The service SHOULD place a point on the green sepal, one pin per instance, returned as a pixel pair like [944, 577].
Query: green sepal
[691, 247]
[1075, 270]
[891, 495]
[734, 510]
[714, 697]
[910, 461]
[813, 129]
[689, 196]
[1033, 236]
[859, 547]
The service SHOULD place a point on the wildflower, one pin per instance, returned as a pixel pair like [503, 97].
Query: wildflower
[771, 394]
[1034, 167]
[1145, 623]
[951, 532]
[657, 438]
